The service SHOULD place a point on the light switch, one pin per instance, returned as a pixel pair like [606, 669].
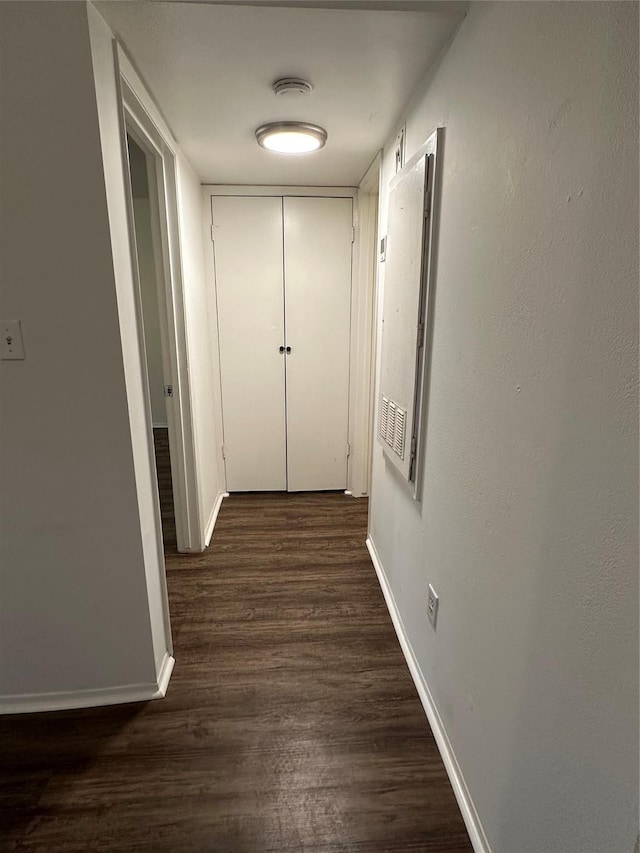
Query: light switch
[12, 345]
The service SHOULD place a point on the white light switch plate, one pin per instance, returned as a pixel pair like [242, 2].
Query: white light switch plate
[12, 346]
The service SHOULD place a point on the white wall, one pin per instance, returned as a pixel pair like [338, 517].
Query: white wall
[202, 341]
[109, 115]
[74, 609]
[528, 524]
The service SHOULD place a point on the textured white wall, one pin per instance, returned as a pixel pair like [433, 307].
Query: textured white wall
[141, 437]
[74, 612]
[202, 342]
[528, 526]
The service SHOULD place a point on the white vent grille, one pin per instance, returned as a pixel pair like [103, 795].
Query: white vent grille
[384, 418]
[398, 432]
[391, 423]
[392, 426]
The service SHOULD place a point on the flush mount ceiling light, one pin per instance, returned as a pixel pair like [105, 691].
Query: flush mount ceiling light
[291, 137]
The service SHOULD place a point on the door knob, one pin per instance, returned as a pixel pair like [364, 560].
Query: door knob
[281, 349]
[288, 349]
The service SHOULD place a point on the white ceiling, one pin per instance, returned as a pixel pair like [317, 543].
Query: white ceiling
[210, 68]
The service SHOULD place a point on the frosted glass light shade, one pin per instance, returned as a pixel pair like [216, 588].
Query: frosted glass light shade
[291, 137]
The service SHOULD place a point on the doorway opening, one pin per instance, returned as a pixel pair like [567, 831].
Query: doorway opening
[149, 259]
[159, 160]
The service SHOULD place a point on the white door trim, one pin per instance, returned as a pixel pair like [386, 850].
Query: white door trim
[363, 330]
[365, 201]
[139, 119]
[320, 192]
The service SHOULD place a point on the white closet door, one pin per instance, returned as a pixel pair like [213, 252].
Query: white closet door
[249, 264]
[317, 263]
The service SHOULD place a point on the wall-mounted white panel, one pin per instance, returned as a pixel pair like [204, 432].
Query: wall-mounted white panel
[317, 240]
[249, 263]
[407, 281]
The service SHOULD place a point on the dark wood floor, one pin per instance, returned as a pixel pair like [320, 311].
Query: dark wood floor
[165, 486]
[291, 721]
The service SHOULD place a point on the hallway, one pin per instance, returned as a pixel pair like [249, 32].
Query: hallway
[291, 722]
[496, 312]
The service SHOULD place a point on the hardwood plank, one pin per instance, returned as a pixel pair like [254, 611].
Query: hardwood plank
[291, 721]
[165, 485]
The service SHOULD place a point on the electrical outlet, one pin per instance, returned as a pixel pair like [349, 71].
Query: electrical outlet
[432, 605]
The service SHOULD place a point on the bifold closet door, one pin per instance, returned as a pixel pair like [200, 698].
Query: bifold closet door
[249, 268]
[317, 272]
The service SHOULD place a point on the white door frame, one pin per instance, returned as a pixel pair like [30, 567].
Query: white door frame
[363, 344]
[365, 205]
[163, 196]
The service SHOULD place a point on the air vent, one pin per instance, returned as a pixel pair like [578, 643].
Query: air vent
[384, 418]
[398, 432]
[392, 425]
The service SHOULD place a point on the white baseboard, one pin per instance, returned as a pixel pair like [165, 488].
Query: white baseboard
[469, 813]
[69, 700]
[213, 518]
[164, 675]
